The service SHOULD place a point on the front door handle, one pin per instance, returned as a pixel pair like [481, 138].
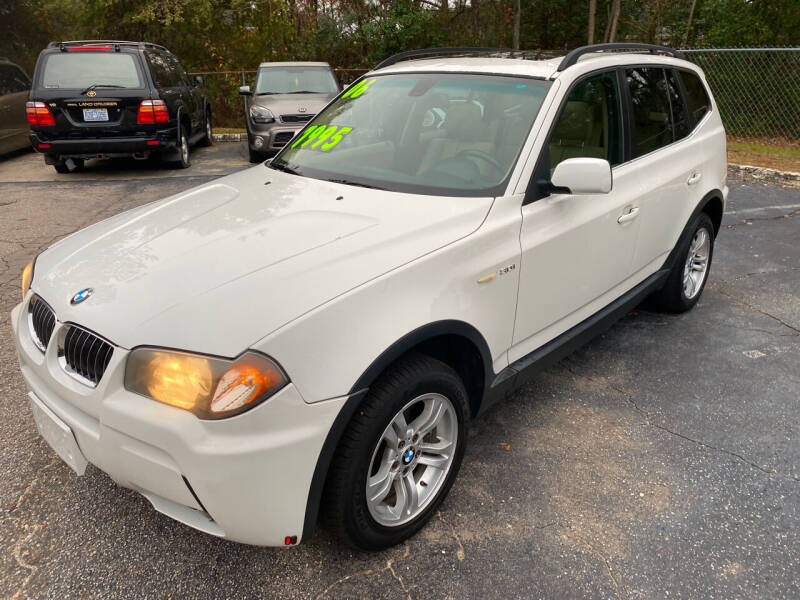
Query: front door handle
[694, 178]
[632, 213]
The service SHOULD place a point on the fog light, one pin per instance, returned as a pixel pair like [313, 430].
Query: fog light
[258, 142]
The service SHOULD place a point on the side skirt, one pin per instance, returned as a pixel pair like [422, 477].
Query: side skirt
[550, 353]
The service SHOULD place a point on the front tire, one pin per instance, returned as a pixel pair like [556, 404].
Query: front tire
[690, 272]
[399, 456]
[256, 156]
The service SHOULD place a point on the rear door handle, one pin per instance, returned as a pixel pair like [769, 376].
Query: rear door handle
[632, 213]
[694, 178]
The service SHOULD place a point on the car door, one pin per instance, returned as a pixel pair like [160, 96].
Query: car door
[666, 162]
[577, 249]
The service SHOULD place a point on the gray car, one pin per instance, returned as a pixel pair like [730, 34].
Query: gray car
[14, 89]
[286, 96]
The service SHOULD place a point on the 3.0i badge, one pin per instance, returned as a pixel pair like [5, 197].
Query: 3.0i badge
[81, 296]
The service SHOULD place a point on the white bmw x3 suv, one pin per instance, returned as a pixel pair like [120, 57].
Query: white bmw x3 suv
[307, 340]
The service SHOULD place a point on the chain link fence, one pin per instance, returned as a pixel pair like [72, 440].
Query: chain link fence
[757, 91]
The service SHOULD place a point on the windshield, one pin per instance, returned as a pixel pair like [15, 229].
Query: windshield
[295, 80]
[430, 133]
[78, 70]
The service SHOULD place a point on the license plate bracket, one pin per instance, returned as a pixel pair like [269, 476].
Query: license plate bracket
[58, 435]
[95, 114]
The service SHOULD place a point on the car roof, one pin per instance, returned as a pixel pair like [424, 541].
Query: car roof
[543, 69]
[293, 64]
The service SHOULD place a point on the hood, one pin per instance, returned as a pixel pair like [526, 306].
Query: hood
[293, 104]
[218, 267]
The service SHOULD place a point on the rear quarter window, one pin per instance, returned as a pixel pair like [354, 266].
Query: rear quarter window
[78, 70]
[699, 102]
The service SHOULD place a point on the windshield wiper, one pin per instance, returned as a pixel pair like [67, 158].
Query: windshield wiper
[97, 85]
[306, 92]
[266, 93]
[356, 183]
[284, 167]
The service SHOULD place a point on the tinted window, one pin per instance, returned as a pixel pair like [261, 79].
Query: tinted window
[696, 94]
[678, 110]
[294, 80]
[78, 70]
[652, 119]
[589, 124]
[12, 80]
[163, 69]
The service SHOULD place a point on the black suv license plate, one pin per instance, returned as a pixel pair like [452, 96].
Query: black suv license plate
[95, 114]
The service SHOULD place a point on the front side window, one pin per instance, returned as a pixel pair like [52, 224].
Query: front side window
[295, 80]
[78, 70]
[432, 133]
[697, 96]
[589, 124]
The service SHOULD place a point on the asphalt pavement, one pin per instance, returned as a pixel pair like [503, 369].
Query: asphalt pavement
[662, 460]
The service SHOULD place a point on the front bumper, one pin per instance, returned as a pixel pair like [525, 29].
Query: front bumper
[245, 479]
[273, 136]
[103, 147]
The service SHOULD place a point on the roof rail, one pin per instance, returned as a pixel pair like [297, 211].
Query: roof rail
[572, 57]
[434, 51]
[66, 43]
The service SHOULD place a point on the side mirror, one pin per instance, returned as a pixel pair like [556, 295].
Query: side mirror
[244, 90]
[199, 81]
[583, 176]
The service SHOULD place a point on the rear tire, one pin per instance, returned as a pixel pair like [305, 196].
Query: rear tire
[208, 137]
[406, 441]
[689, 274]
[183, 161]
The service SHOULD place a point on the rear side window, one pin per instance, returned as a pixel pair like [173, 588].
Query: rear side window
[678, 110]
[652, 113]
[699, 103]
[163, 69]
[78, 70]
[589, 124]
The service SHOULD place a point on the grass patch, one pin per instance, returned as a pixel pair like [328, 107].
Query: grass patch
[229, 130]
[774, 154]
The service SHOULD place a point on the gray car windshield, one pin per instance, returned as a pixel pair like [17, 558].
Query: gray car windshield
[430, 133]
[296, 80]
[77, 70]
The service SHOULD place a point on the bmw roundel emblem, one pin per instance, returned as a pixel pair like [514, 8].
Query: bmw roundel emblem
[408, 456]
[81, 296]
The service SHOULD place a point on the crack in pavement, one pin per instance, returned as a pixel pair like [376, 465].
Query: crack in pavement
[24, 495]
[649, 421]
[754, 308]
[460, 554]
[747, 220]
[18, 556]
[389, 567]
[605, 560]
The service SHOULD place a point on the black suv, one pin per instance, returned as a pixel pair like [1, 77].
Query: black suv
[104, 99]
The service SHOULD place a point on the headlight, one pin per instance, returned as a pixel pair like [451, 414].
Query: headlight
[211, 388]
[27, 277]
[259, 114]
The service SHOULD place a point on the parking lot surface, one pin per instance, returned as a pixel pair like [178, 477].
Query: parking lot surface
[662, 460]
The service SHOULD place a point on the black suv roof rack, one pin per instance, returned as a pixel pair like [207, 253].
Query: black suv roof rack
[572, 57]
[116, 43]
[434, 51]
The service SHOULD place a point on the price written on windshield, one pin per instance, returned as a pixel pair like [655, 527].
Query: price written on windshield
[321, 137]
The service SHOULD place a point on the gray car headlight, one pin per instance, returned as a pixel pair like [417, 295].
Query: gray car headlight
[209, 387]
[259, 114]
